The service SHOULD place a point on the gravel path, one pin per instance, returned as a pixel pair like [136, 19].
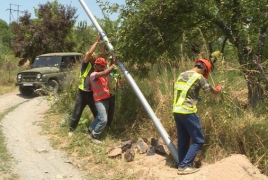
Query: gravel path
[34, 158]
[9, 100]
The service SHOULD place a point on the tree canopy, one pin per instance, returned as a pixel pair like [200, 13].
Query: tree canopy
[50, 31]
[5, 34]
[151, 28]
[147, 30]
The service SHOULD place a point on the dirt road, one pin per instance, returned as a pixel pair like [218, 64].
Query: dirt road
[34, 158]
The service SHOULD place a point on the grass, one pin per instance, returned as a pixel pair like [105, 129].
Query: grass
[6, 89]
[92, 157]
[225, 118]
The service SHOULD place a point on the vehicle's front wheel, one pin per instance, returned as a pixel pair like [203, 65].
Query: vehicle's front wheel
[53, 86]
[26, 91]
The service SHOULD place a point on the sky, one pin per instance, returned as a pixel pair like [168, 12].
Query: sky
[29, 5]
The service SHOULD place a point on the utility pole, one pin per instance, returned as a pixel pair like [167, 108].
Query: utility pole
[14, 10]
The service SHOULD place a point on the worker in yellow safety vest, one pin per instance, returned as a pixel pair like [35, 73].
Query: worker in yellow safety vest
[85, 94]
[186, 95]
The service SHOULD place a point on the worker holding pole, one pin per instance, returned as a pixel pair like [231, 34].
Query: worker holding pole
[101, 94]
[84, 94]
[186, 95]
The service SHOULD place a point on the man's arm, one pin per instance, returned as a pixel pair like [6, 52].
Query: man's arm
[111, 67]
[105, 72]
[91, 50]
[102, 49]
[205, 85]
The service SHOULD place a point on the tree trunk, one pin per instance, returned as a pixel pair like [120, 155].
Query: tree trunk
[255, 90]
[251, 75]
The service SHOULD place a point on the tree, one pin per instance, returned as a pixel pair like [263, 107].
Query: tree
[51, 31]
[83, 34]
[5, 34]
[241, 22]
[151, 28]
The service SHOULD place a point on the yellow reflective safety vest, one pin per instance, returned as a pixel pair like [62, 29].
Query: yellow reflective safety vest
[113, 78]
[180, 93]
[83, 76]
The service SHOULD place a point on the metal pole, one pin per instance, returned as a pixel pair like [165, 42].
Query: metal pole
[136, 89]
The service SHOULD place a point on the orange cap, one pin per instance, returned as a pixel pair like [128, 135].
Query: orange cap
[100, 61]
[207, 64]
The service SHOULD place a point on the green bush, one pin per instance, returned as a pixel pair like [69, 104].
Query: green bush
[8, 71]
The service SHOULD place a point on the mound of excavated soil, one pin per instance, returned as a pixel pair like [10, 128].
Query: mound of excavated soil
[235, 167]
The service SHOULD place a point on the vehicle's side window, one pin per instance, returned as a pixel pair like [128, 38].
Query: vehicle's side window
[65, 61]
[78, 59]
[72, 59]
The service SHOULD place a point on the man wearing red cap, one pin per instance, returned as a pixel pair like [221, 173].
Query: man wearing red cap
[186, 95]
[101, 95]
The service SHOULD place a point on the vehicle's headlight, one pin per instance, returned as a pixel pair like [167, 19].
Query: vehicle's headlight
[38, 76]
[19, 76]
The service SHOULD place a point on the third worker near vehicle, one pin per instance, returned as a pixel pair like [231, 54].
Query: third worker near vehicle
[114, 83]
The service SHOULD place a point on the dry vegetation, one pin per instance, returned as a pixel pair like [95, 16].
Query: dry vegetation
[8, 73]
[225, 118]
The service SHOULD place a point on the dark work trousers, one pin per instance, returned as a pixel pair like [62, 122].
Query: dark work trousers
[83, 98]
[111, 110]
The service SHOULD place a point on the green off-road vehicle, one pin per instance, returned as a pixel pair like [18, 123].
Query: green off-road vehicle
[47, 71]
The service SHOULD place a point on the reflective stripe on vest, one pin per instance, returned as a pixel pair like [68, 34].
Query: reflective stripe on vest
[83, 77]
[100, 89]
[182, 89]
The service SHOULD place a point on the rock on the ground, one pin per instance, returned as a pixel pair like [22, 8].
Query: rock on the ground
[115, 152]
[129, 155]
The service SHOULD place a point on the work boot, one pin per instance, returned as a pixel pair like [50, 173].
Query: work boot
[94, 138]
[70, 134]
[187, 170]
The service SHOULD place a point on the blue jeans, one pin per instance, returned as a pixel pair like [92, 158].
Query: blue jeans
[188, 127]
[100, 121]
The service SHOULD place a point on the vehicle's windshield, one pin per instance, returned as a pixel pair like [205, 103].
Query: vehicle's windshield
[47, 61]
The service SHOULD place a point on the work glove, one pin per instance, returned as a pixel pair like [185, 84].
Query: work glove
[115, 67]
[218, 87]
